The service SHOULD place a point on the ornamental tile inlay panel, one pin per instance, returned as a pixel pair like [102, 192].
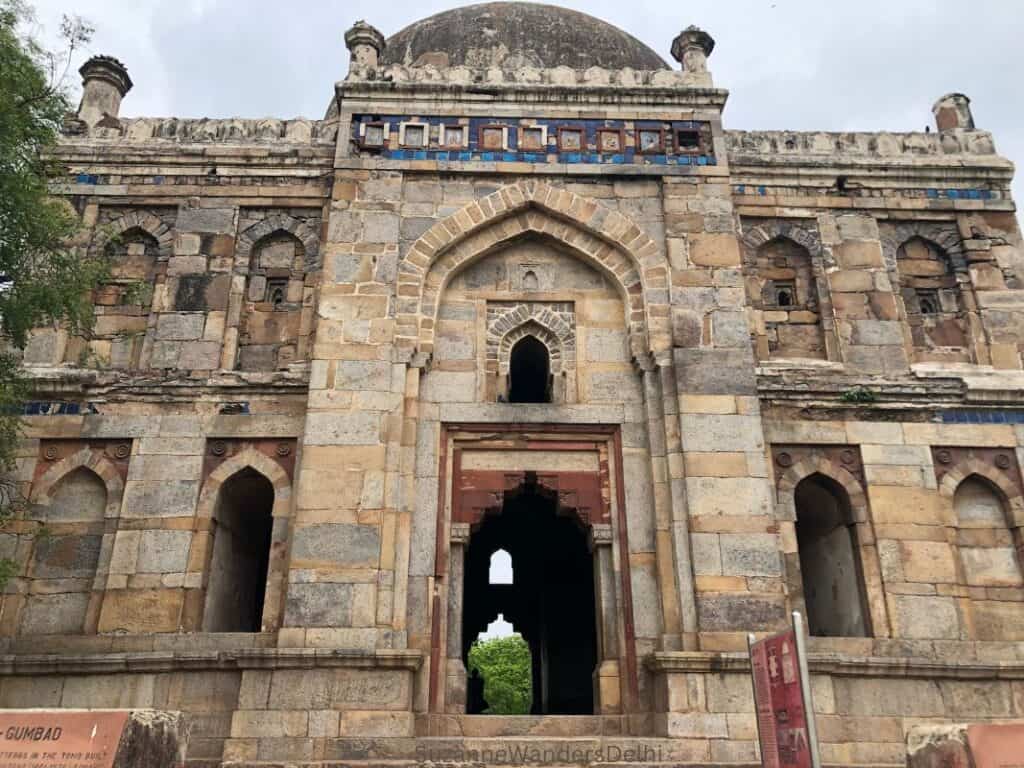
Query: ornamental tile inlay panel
[513, 139]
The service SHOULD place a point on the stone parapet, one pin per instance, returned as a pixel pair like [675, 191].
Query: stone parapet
[556, 76]
[782, 146]
[205, 130]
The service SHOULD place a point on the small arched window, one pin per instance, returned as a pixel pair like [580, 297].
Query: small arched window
[500, 571]
[529, 372]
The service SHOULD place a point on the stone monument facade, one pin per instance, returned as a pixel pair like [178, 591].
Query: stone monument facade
[521, 291]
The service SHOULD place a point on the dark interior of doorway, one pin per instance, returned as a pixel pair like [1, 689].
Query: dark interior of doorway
[529, 372]
[550, 602]
[243, 525]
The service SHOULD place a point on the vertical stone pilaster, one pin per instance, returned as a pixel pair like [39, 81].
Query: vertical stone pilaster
[607, 678]
[455, 669]
[351, 540]
[668, 587]
[871, 336]
[734, 547]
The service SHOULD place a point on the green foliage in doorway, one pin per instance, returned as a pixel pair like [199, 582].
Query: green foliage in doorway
[505, 665]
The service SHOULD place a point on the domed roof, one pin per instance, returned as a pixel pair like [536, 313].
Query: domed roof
[512, 35]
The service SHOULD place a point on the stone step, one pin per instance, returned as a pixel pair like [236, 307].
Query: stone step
[415, 764]
[525, 750]
[526, 725]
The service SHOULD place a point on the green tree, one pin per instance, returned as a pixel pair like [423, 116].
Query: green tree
[46, 272]
[505, 665]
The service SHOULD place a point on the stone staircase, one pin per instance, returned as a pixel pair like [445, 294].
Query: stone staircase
[467, 741]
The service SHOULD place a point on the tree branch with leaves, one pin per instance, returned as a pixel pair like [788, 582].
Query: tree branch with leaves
[46, 272]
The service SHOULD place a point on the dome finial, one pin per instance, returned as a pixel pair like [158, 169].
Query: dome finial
[364, 42]
[692, 47]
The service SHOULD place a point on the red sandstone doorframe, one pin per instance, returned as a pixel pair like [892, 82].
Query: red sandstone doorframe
[588, 493]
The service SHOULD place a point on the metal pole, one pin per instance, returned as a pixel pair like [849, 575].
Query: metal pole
[805, 683]
[751, 639]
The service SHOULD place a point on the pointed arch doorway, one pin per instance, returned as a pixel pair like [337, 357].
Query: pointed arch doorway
[549, 600]
[550, 498]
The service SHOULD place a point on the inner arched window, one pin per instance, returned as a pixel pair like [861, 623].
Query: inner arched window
[529, 372]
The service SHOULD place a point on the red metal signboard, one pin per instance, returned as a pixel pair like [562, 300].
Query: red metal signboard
[783, 715]
[997, 745]
[55, 739]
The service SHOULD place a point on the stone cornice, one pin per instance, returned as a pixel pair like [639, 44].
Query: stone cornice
[176, 130]
[842, 665]
[823, 388]
[178, 661]
[119, 385]
[880, 158]
[561, 95]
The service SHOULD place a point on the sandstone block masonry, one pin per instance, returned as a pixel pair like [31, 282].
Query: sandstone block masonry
[741, 373]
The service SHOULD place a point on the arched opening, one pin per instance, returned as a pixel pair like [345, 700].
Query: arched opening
[269, 332]
[830, 569]
[68, 556]
[529, 372]
[242, 526]
[781, 283]
[551, 603]
[79, 496]
[984, 539]
[500, 668]
[121, 304]
[501, 568]
[931, 297]
[133, 255]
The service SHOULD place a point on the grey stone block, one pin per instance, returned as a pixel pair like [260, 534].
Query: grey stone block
[180, 326]
[67, 557]
[209, 220]
[363, 374]
[62, 614]
[344, 227]
[715, 371]
[706, 554]
[877, 333]
[615, 386]
[200, 356]
[347, 544]
[736, 613]
[174, 498]
[729, 329]
[750, 554]
[318, 605]
[380, 228]
[164, 551]
[607, 345]
[358, 428]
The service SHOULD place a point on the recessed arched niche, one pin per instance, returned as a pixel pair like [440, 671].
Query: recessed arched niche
[532, 322]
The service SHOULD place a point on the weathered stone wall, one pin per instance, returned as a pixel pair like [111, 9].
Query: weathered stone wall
[329, 314]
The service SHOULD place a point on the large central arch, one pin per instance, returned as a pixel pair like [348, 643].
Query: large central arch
[603, 238]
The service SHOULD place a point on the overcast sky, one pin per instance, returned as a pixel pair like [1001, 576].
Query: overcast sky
[788, 64]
